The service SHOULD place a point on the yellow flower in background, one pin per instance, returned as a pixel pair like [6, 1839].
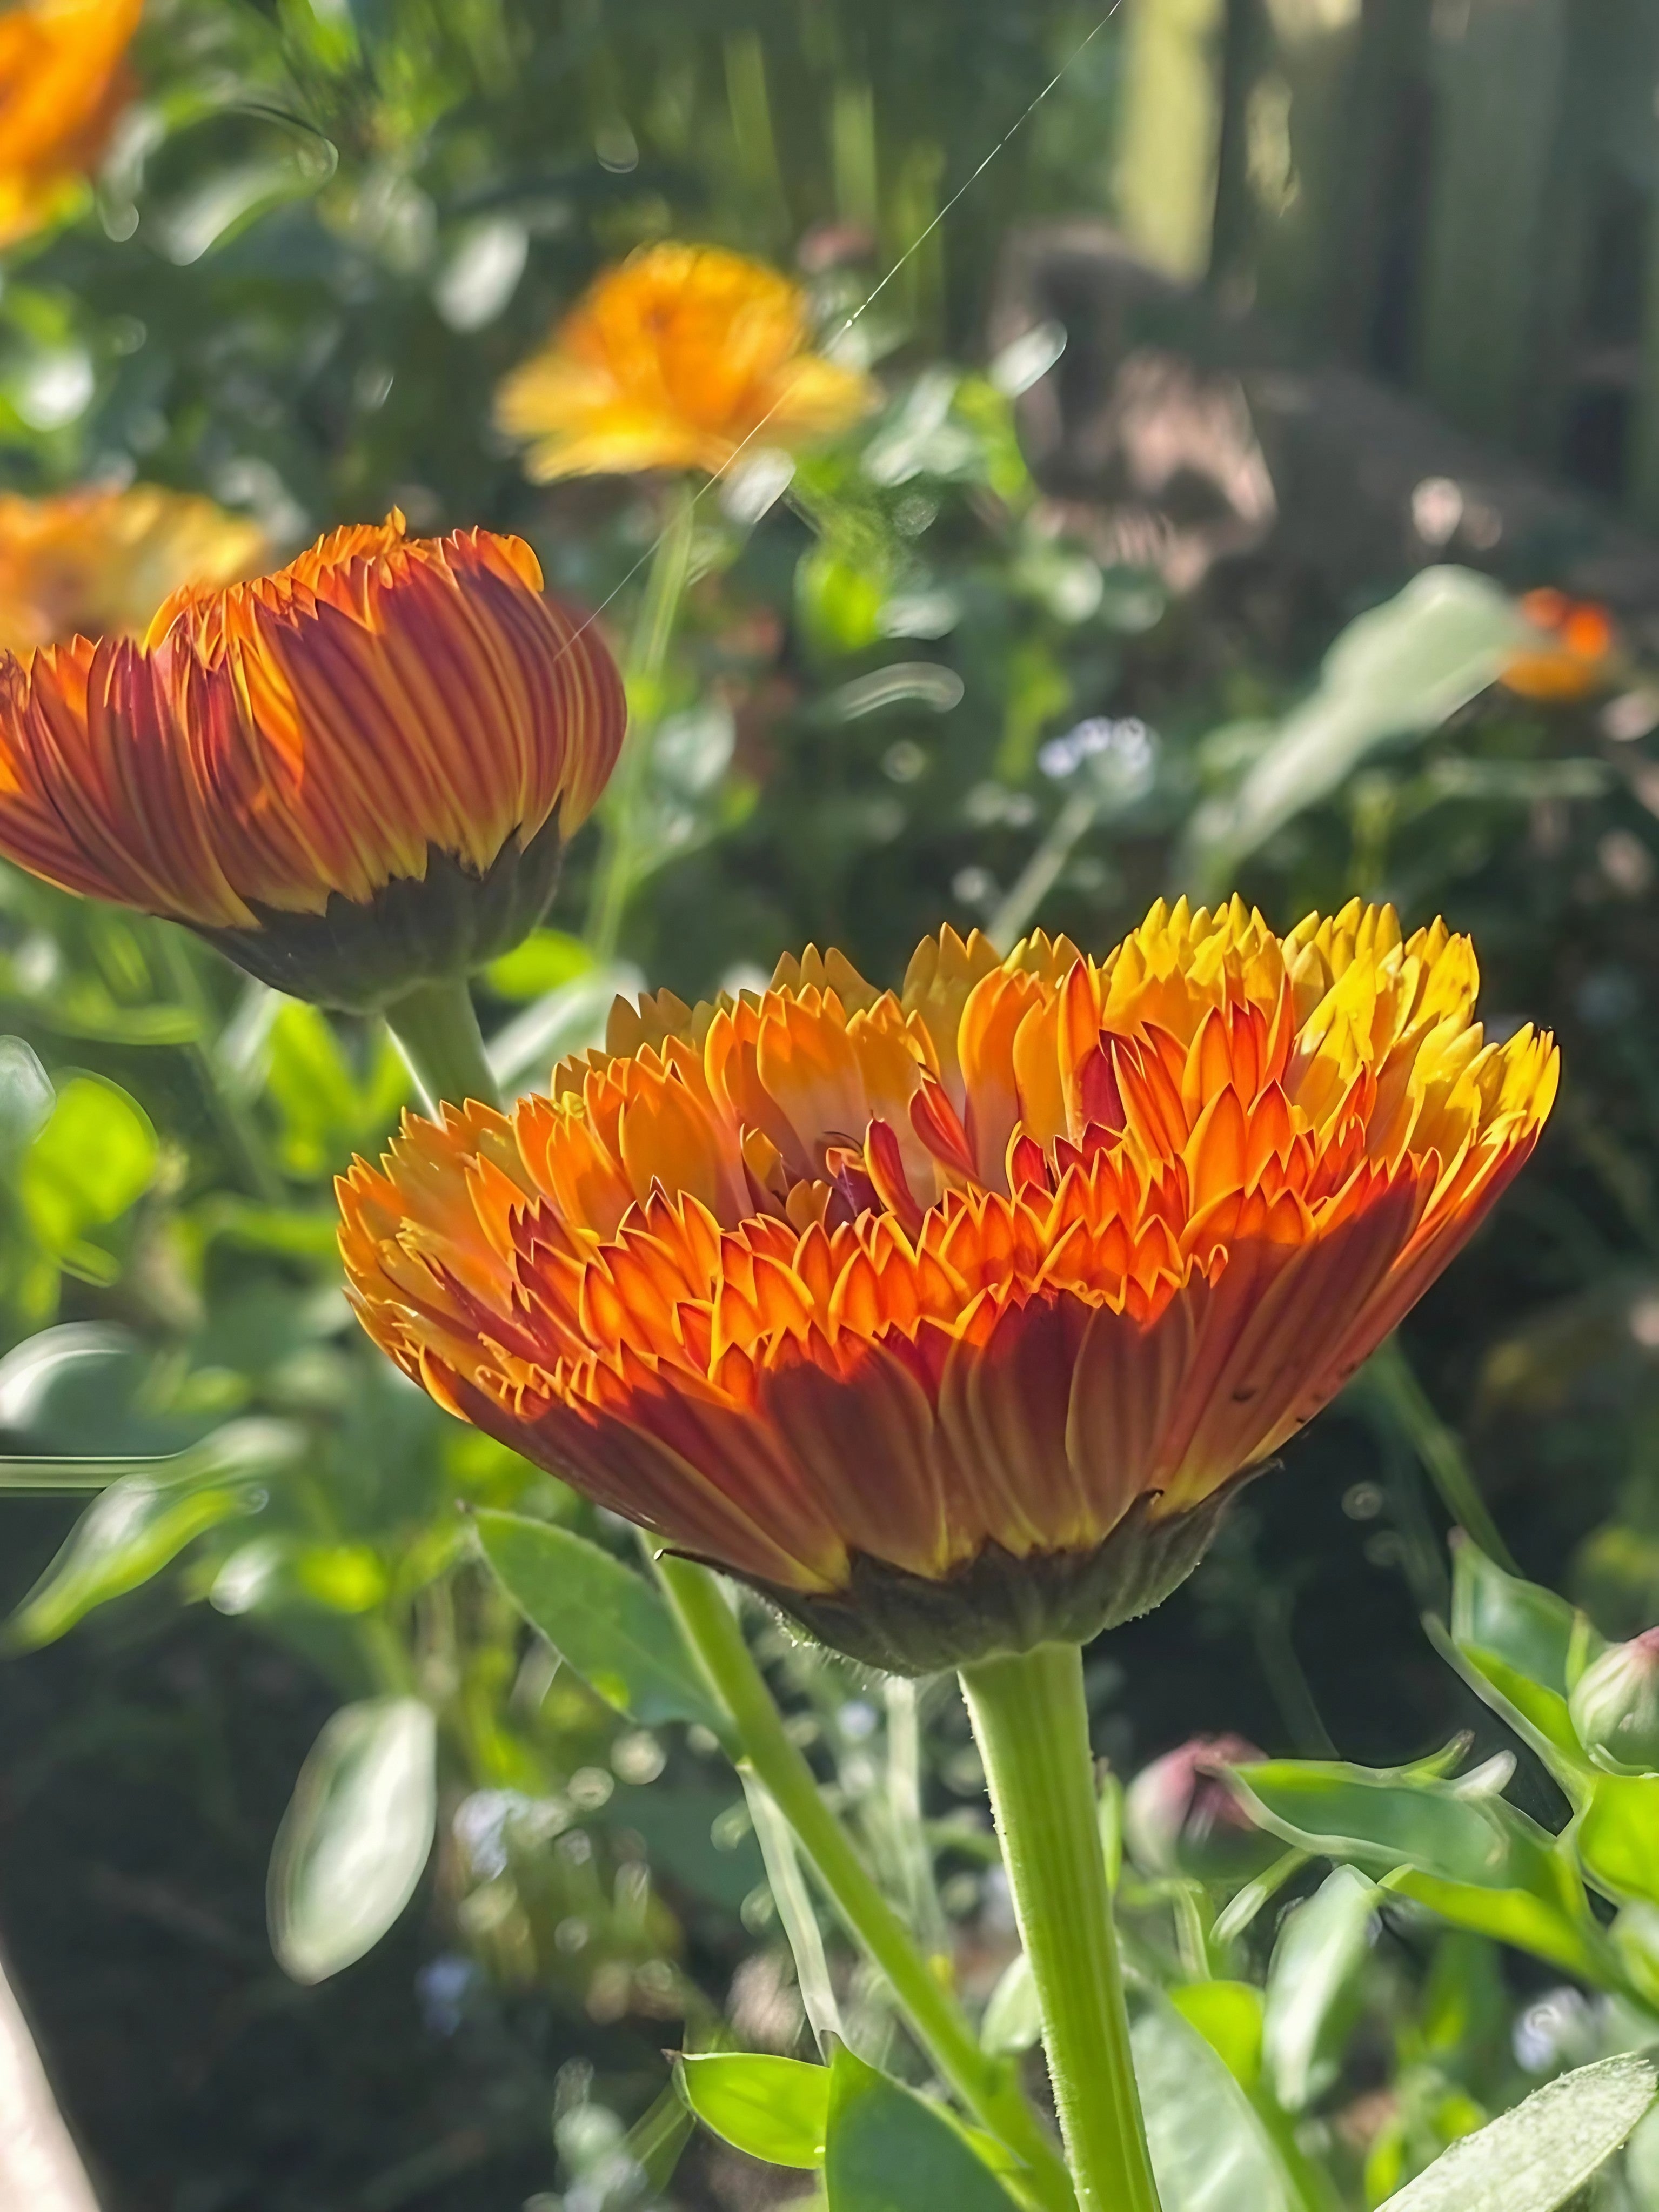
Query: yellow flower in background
[951, 1318]
[63, 82]
[95, 563]
[674, 361]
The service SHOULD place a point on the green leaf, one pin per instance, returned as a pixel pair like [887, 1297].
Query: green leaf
[1617, 1836]
[1461, 1851]
[1210, 2152]
[1397, 672]
[145, 1520]
[1313, 1986]
[1380, 1819]
[1013, 2019]
[890, 2150]
[1515, 1916]
[775, 2109]
[93, 1158]
[607, 1623]
[547, 960]
[1525, 1647]
[1228, 2017]
[1538, 2157]
[356, 1838]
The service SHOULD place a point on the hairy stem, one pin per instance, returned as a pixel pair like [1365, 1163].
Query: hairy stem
[987, 2087]
[1032, 1728]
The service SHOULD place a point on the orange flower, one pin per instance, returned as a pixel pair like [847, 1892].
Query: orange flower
[1570, 660]
[62, 83]
[675, 360]
[354, 776]
[952, 1320]
[88, 562]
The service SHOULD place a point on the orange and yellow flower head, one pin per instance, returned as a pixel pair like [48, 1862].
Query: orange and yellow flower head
[675, 359]
[64, 81]
[354, 776]
[952, 1318]
[94, 563]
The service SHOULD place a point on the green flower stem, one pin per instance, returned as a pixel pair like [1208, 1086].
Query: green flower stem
[987, 2087]
[613, 878]
[1032, 1728]
[437, 1032]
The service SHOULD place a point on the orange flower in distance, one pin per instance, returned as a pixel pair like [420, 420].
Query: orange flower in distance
[93, 562]
[674, 361]
[354, 776]
[952, 1319]
[1570, 660]
[62, 83]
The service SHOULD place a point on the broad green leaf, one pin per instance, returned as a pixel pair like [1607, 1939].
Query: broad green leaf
[1312, 1986]
[1463, 1852]
[1228, 2017]
[1398, 672]
[1525, 1647]
[1515, 1916]
[1380, 1819]
[888, 2150]
[606, 1622]
[1210, 2152]
[1617, 1836]
[775, 2109]
[145, 1520]
[356, 1838]
[1013, 2018]
[1537, 2157]
[93, 1158]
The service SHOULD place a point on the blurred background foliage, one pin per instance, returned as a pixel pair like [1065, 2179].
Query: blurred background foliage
[932, 677]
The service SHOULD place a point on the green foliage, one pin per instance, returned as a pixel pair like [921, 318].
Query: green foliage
[356, 1836]
[327, 233]
[1537, 2157]
[603, 1619]
[888, 2150]
[775, 2109]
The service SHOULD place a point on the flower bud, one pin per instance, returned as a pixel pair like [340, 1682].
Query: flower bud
[1180, 1817]
[1615, 1707]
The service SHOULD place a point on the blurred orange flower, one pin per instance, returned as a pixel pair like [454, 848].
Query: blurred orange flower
[354, 775]
[63, 82]
[1576, 643]
[96, 562]
[675, 359]
[952, 1318]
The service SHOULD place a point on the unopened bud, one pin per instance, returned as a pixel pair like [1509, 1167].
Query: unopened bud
[1179, 1816]
[1615, 1707]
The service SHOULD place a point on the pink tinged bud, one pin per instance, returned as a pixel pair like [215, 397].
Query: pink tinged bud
[1181, 1817]
[1615, 1707]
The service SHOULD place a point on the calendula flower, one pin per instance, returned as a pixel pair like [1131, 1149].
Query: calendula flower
[1575, 645]
[354, 776]
[92, 563]
[62, 83]
[952, 1318]
[675, 359]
